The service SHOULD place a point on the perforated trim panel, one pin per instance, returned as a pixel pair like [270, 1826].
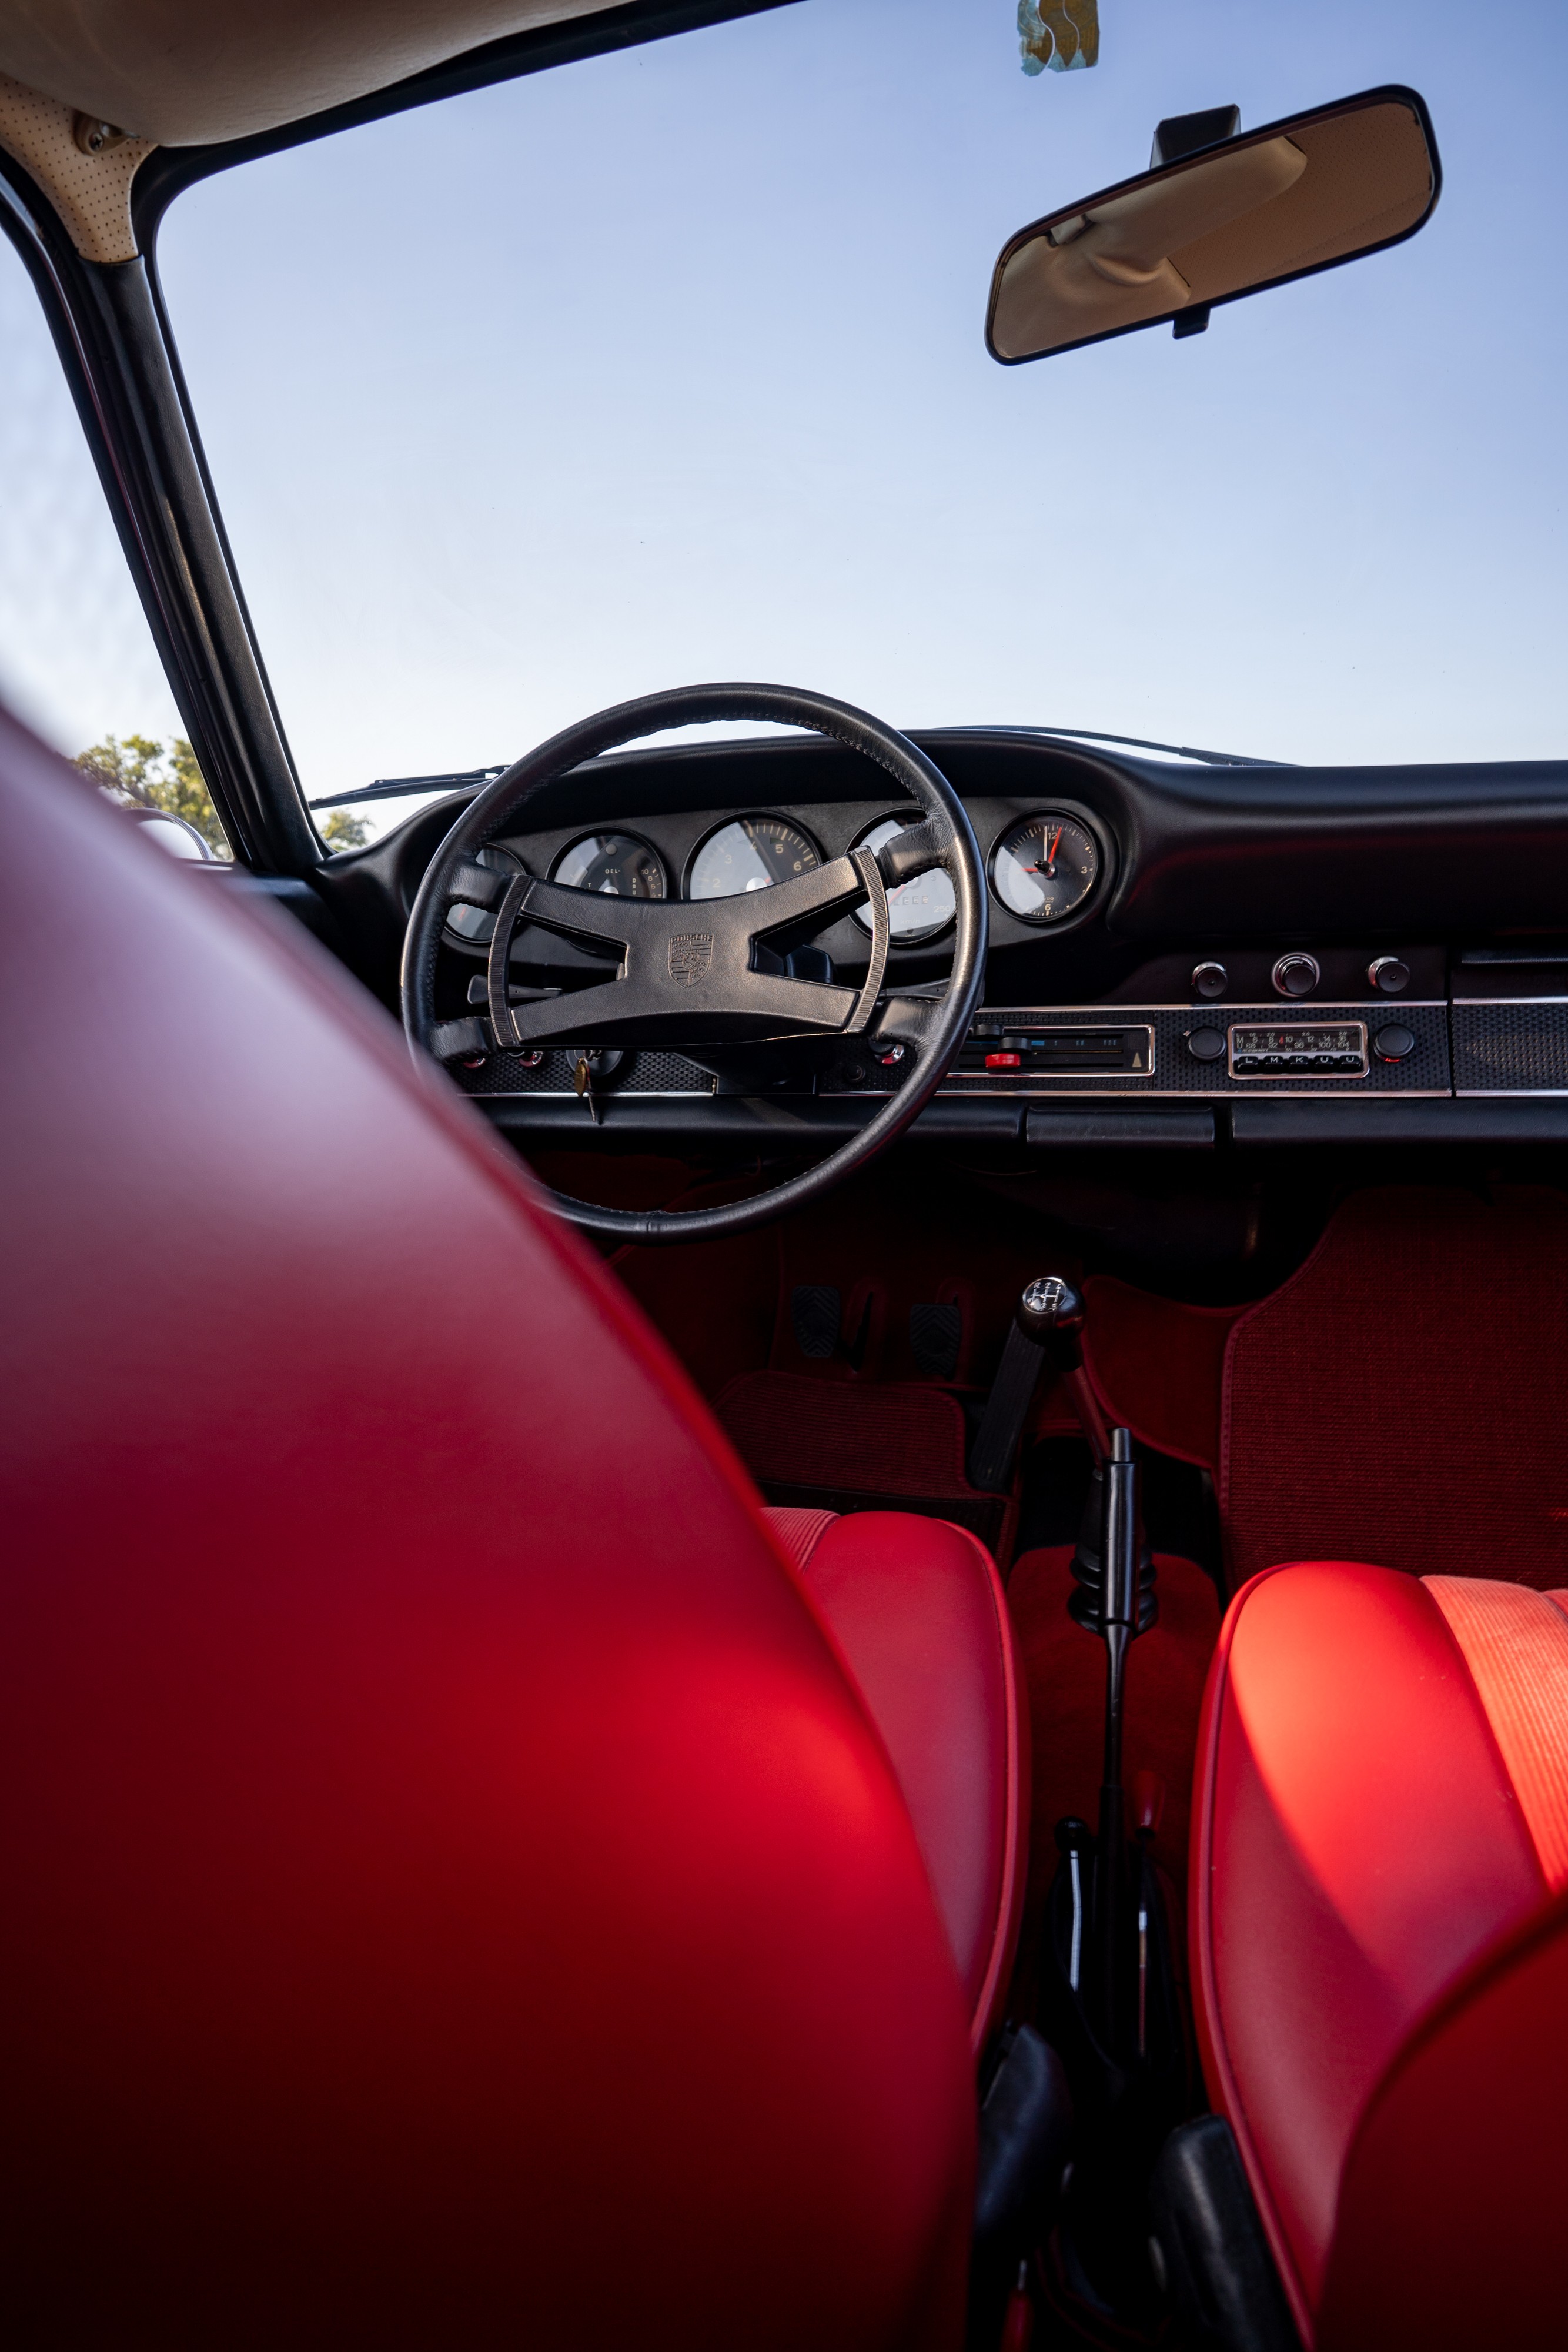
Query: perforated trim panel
[91, 193]
[1425, 1071]
[647, 1074]
[1511, 1048]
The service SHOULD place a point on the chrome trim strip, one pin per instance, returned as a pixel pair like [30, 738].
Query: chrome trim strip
[1343, 1088]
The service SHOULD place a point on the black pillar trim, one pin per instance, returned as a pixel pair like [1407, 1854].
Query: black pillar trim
[107, 331]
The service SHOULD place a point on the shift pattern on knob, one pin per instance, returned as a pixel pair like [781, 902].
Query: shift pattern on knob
[1050, 1302]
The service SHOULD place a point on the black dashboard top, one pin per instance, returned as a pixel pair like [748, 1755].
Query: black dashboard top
[1194, 858]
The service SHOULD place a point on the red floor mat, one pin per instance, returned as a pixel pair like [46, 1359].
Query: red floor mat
[892, 1447]
[1403, 1399]
[1065, 1668]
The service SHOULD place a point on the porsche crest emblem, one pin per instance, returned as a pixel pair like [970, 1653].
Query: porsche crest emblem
[691, 952]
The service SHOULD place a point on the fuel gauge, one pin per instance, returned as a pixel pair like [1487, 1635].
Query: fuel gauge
[1045, 867]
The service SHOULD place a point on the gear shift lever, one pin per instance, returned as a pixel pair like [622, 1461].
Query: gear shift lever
[1060, 1314]
[1047, 1320]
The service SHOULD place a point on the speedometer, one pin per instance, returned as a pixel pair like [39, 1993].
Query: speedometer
[916, 910]
[750, 853]
[1045, 868]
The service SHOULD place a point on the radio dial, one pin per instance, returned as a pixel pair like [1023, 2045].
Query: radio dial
[1297, 975]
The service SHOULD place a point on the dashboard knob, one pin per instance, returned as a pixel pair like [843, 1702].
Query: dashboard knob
[1207, 1045]
[1388, 975]
[1297, 975]
[1209, 979]
[1394, 1044]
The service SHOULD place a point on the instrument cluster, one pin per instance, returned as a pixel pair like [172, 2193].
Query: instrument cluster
[1044, 869]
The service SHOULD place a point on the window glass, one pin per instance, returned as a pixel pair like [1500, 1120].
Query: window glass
[668, 366]
[76, 658]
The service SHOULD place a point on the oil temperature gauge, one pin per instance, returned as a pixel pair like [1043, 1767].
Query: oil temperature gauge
[1045, 867]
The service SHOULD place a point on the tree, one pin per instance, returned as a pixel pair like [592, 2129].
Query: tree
[141, 773]
[343, 831]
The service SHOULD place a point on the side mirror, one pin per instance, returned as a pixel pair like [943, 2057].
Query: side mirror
[1237, 216]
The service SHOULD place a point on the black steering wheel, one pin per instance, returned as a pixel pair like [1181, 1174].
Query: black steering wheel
[690, 974]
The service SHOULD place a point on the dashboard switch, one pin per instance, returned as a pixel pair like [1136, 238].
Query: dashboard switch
[1297, 975]
[1394, 1044]
[1209, 979]
[1004, 1061]
[1389, 976]
[1207, 1045]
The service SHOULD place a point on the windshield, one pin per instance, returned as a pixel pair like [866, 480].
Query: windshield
[669, 366]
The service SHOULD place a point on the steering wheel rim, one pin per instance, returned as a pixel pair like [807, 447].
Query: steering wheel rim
[932, 1028]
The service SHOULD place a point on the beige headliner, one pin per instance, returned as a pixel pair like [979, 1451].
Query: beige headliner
[180, 72]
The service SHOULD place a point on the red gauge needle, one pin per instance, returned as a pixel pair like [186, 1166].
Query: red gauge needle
[1050, 865]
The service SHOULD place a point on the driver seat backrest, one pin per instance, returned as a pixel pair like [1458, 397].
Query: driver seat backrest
[454, 1890]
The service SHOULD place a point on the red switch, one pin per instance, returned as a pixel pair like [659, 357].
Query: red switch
[1004, 1061]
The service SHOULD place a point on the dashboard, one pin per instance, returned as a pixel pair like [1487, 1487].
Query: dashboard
[1179, 955]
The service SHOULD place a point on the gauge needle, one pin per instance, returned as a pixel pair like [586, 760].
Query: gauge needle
[1049, 866]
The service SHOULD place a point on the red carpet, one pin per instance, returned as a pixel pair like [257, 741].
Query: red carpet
[1403, 1399]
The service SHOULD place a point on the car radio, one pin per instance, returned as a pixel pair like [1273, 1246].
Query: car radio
[1317, 1050]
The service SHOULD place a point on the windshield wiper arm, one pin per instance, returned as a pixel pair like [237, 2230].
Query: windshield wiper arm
[397, 788]
[1142, 743]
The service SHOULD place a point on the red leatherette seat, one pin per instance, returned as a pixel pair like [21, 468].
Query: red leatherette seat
[918, 1610]
[1381, 1971]
[453, 1893]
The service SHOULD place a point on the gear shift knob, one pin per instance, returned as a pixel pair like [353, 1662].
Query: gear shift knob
[1051, 1312]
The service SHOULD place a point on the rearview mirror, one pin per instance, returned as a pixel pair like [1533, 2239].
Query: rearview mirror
[1237, 216]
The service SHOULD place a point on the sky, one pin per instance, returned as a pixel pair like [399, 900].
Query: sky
[669, 366]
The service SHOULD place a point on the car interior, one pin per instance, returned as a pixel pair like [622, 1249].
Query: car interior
[824, 1601]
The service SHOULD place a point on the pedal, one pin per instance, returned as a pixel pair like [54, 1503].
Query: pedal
[936, 1338]
[815, 1309]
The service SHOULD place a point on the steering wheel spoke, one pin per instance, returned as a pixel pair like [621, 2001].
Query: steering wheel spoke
[909, 1020]
[915, 849]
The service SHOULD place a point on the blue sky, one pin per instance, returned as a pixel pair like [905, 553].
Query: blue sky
[669, 366]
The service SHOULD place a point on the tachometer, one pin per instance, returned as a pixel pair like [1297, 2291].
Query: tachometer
[750, 853]
[1045, 868]
[617, 865]
[916, 910]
